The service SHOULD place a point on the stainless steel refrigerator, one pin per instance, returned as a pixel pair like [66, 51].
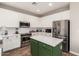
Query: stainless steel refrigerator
[61, 29]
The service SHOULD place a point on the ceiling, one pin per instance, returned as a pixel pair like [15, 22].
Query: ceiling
[37, 9]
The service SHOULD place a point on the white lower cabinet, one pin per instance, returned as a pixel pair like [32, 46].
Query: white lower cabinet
[11, 42]
[0, 51]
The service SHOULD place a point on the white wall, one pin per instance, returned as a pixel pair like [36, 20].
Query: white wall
[74, 41]
[47, 20]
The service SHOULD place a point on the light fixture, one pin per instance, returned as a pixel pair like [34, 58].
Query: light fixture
[50, 4]
[35, 3]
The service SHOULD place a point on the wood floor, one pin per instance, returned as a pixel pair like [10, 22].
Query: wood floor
[25, 51]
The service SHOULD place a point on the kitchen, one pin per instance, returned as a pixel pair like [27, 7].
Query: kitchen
[24, 31]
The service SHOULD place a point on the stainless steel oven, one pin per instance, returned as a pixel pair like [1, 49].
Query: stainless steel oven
[25, 39]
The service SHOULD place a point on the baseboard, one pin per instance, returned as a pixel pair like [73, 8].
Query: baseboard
[74, 53]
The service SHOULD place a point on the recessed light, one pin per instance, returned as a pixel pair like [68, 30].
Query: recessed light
[38, 10]
[50, 4]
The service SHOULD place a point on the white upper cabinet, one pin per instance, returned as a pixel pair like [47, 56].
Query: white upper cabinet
[8, 18]
[34, 21]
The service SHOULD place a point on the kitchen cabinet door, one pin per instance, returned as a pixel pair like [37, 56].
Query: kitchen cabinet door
[34, 47]
[6, 44]
[45, 50]
[57, 50]
[15, 41]
[8, 18]
[11, 42]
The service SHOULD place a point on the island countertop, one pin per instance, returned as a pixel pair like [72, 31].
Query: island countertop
[47, 40]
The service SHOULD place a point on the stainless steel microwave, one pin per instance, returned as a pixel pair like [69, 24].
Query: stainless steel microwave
[24, 24]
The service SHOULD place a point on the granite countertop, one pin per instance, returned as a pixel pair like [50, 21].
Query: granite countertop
[47, 40]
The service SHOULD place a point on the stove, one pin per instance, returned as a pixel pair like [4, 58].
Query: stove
[25, 39]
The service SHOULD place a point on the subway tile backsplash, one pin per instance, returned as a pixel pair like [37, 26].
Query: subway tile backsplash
[10, 30]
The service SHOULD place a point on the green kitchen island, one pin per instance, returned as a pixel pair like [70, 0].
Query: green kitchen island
[46, 46]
